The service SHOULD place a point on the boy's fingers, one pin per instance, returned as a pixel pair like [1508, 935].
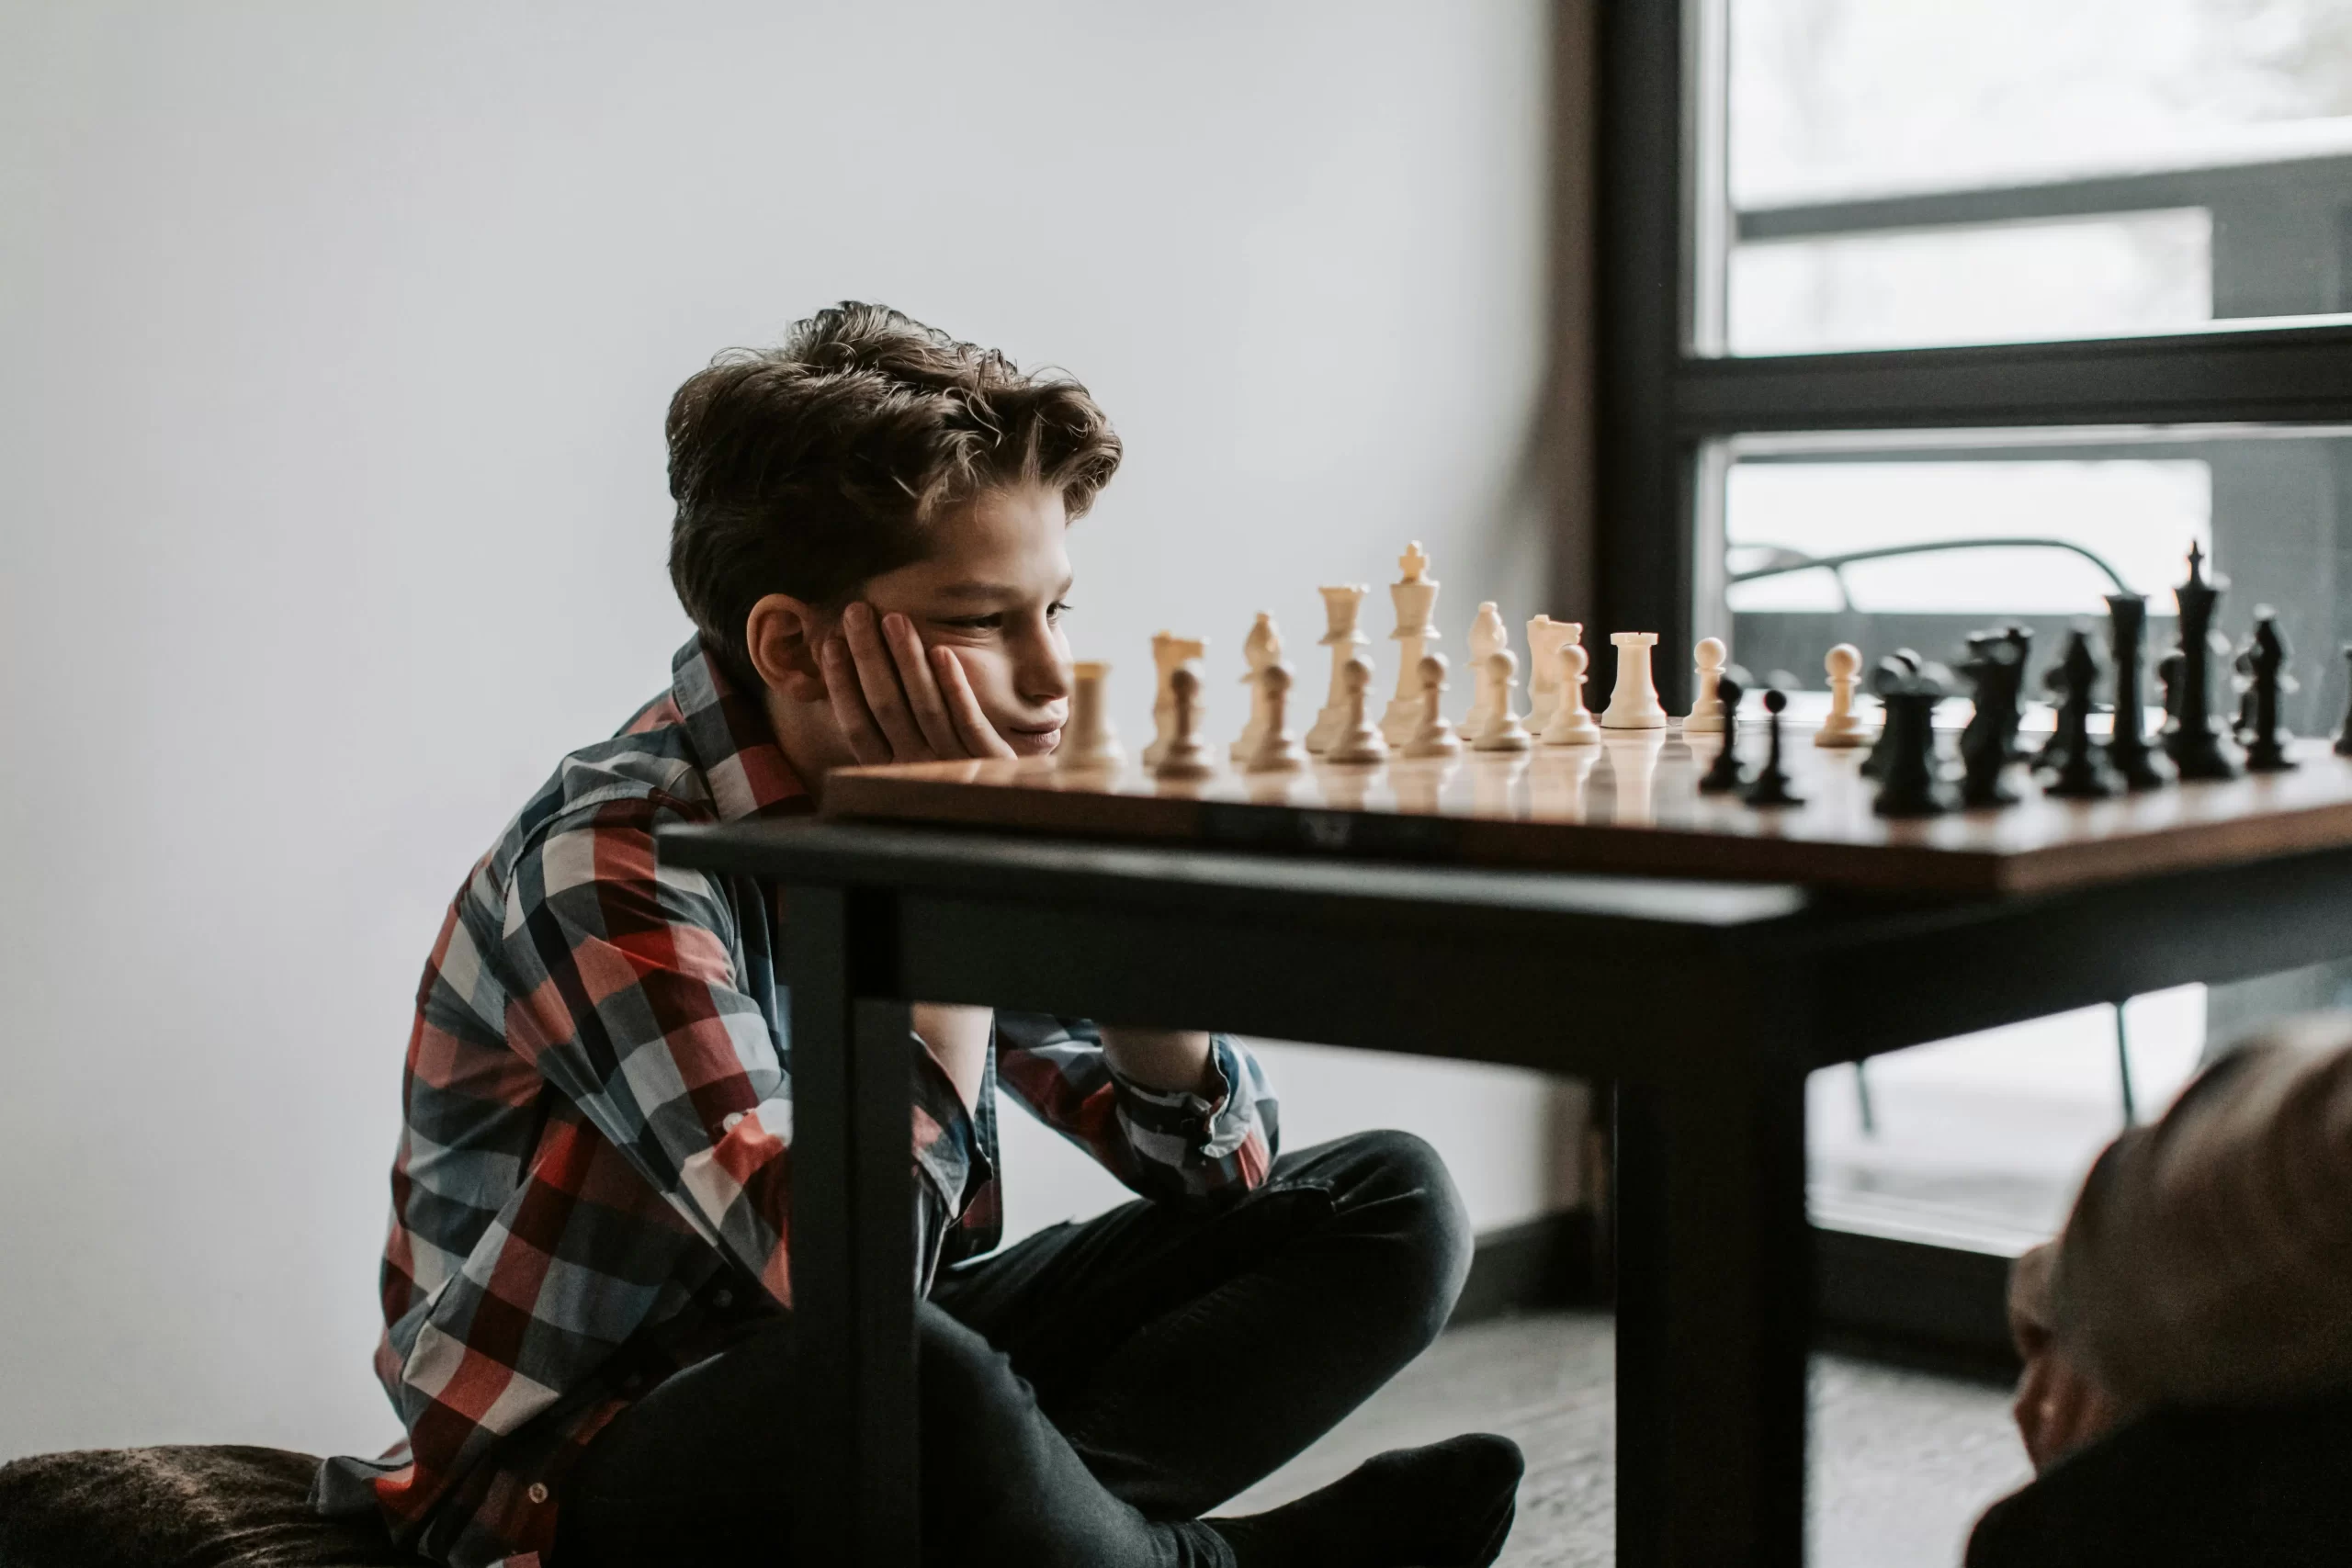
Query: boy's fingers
[978, 734]
[877, 677]
[921, 688]
[866, 741]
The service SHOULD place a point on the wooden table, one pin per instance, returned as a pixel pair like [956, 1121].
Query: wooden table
[1585, 915]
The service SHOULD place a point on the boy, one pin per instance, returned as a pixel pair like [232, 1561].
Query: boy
[586, 1290]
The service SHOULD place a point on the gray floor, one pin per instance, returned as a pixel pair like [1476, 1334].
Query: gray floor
[1902, 1461]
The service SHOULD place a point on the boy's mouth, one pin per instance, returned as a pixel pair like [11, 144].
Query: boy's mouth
[1033, 742]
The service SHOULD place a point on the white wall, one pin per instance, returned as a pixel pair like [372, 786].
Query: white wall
[333, 346]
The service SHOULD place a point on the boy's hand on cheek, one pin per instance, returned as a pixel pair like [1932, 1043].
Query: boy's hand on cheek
[899, 702]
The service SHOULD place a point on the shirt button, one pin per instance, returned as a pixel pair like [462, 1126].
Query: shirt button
[734, 1120]
[538, 1493]
[724, 1300]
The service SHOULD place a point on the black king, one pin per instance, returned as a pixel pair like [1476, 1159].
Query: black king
[2190, 739]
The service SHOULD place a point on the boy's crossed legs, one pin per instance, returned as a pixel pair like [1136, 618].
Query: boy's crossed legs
[1089, 1391]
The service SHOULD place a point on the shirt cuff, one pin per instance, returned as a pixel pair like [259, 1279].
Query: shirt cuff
[1214, 1124]
[947, 1147]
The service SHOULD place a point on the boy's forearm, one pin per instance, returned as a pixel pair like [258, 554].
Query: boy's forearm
[1173, 1060]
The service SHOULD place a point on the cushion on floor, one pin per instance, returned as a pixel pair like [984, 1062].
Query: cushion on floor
[177, 1507]
[2251, 1488]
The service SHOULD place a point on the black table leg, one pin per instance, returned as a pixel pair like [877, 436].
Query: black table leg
[851, 1243]
[1714, 1318]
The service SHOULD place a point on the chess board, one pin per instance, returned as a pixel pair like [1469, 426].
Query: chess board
[1630, 806]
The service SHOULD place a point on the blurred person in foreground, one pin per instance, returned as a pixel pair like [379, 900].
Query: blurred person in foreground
[2186, 1396]
[587, 1287]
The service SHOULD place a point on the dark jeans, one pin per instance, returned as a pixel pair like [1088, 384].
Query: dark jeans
[1085, 1393]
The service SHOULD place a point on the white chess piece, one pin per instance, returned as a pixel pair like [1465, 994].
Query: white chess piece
[1088, 741]
[1545, 637]
[1488, 637]
[1633, 703]
[1185, 757]
[1167, 651]
[1261, 647]
[1503, 732]
[1434, 736]
[1707, 711]
[1571, 720]
[1360, 740]
[1342, 609]
[1843, 728]
[1414, 596]
[1278, 750]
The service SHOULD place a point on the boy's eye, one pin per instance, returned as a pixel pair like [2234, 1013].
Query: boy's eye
[1057, 609]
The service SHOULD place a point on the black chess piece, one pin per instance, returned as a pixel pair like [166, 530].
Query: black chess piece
[2344, 735]
[1995, 672]
[2191, 739]
[1724, 775]
[1913, 784]
[2265, 746]
[1907, 662]
[2079, 768]
[1770, 786]
[2136, 762]
[2020, 637]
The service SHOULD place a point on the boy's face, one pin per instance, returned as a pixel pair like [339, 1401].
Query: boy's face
[994, 597]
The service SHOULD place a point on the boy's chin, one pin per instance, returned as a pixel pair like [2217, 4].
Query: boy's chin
[1032, 743]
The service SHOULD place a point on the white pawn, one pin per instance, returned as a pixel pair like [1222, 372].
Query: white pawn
[1167, 651]
[1278, 750]
[1185, 757]
[1707, 711]
[1571, 720]
[1633, 703]
[1488, 637]
[1360, 740]
[1503, 732]
[1545, 637]
[1435, 738]
[1842, 727]
[1089, 743]
[1261, 647]
[1342, 608]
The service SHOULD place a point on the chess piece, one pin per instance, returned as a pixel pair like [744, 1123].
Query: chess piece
[1707, 709]
[2078, 768]
[1633, 703]
[2266, 747]
[1770, 784]
[2191, 739]
[1414, 596]
[1434, 736]
[1360, 740]
[1571, 723]
[1723, 775]
[1996, 672]
[1342, 608]
[1186, 756]
[1545, 637]
[2137, 764]
[1912, 784]
[1278, 750]
[1088, 741]
[2019, 636]
[1909, 662]
[1488, 637]
[1502, 731]
[1841, 728]
[1261, 647]
[1167, 651]
[2344, 735]
[1633, 767]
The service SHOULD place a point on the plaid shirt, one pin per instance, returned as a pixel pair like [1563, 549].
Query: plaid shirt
[593, 1186]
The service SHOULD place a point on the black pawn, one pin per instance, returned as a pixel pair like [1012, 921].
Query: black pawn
[1902, 663]
[2137, 764]
[2265, 746]
[2344, 735]
[1995, 672]
[1770, 786]
[2078, 768]
[1724, 775]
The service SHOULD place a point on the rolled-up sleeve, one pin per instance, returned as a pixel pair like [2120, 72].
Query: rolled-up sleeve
[1172, 1145]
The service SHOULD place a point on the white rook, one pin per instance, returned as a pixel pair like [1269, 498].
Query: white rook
[1633, 703]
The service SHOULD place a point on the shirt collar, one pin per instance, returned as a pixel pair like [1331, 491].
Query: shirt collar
[731, 736]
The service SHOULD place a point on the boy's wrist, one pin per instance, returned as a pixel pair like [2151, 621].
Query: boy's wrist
[1168, 1060]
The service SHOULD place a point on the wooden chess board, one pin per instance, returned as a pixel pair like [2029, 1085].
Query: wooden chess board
[1630, 806]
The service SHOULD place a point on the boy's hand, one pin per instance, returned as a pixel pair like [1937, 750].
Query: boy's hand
[897, 701]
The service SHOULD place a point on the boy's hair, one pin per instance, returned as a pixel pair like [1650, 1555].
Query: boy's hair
[814, 468]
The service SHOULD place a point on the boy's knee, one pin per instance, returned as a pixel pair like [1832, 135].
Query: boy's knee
[1405, 1180]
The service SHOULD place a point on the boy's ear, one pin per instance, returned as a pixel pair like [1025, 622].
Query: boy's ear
[780, 635]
